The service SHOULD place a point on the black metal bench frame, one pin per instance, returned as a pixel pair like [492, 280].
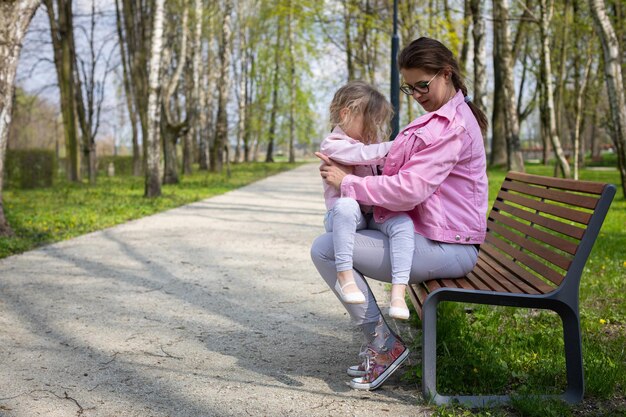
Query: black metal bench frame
[540, 233]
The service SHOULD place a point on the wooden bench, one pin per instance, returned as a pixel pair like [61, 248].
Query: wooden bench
[539, 235]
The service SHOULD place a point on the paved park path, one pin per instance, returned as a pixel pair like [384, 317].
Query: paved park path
[211, 309]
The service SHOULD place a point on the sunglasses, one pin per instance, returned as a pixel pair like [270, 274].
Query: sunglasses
[421, 87]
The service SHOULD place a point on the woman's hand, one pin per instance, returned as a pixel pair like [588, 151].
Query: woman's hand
[333, 172]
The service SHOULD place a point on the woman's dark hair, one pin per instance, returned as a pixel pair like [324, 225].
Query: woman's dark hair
[433, 56]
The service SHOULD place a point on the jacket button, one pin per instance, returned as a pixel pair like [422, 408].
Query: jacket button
[467, 239]
[457, 237]
[405, 133]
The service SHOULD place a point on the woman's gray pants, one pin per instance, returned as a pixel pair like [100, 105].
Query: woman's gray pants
[371, 257]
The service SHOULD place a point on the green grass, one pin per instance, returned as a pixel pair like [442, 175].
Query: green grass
[47, 215]
[496, 350]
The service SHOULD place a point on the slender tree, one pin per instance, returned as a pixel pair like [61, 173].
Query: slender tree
[480, 56]
[60, 16]
[129, 91]
[515, 160]
[153, 158]
[614, 82]
[221, 128]
[546, 9]
[172, 125]
[15, 16]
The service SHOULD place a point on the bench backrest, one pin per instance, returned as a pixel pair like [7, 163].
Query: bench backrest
[541, 230]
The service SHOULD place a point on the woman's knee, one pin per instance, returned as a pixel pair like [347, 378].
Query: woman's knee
[321, 247]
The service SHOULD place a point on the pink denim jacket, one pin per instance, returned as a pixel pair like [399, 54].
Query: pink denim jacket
[347, 151]
[436, 172]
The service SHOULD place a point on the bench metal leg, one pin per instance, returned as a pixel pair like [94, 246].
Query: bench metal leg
[573, 356]
[572, 346]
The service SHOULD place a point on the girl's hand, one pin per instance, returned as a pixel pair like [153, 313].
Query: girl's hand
[333, 172]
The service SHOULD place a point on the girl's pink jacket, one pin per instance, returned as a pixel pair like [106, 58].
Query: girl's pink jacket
[436, 172]
[347, 151]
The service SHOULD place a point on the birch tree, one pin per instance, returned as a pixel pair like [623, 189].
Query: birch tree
[221, 128]
[153, 179]
[515, 160]
[480, 56]
[614, 82]
[172, 125]
[546, 9]
[195, 127]
[15, 16]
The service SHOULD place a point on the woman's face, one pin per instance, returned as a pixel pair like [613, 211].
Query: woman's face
[440, 88]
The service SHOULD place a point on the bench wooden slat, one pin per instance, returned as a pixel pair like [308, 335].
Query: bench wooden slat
[464, 283]
[525, 243]
[415, 300]
[558, 211]
[432, 285]
[526, 259]
[494, 278]
[523, 279]
[577, 200]
[478, 283]
[552, 224]
[561, 183]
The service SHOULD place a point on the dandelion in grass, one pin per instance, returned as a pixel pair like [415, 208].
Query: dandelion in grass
[602, 321]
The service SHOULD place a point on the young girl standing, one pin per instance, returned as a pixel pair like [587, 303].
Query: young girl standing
[360, 115]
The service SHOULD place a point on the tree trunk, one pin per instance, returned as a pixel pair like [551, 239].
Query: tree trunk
[61, 29]
[546, 78]
[221, 127]
[498, 156]
[269, 155]
[138, 22]
[153, 160]
[172, 127]
[480, 58]
[129, 92]
[292, 89]
[467, 18]
[242, 82]
[196, 127]
[347, 27]
[15, 16]
[578, 110]
[515, 160]
[614, 82]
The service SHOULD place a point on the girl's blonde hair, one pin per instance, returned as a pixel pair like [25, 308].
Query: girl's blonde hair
[361, 98]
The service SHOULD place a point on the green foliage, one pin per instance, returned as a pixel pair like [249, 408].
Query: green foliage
[496, 350]
[68, 210]
[32, 168]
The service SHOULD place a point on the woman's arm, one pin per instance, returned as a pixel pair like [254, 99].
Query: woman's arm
[416, 180]
[354, 153]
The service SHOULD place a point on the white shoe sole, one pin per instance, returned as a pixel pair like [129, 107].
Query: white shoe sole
[355, 371]
[357, 383]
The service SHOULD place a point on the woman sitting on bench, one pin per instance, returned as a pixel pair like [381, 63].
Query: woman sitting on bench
[436, 173]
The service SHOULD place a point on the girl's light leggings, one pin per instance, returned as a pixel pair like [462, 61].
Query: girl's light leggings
[371, 258]
[345, 218]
